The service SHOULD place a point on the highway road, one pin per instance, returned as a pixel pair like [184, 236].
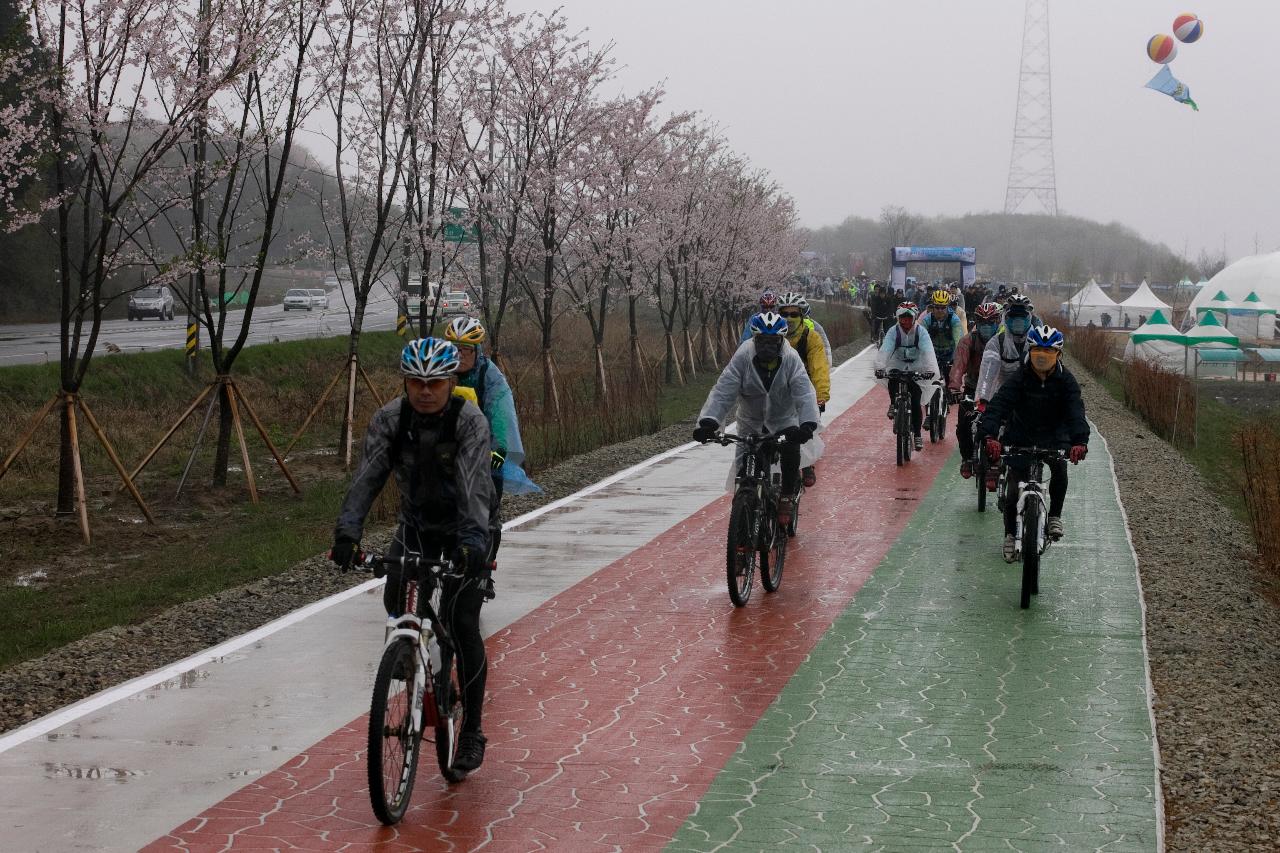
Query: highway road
[35, 343]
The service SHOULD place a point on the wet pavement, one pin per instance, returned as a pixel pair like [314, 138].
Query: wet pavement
[36, 343]
[890, 682]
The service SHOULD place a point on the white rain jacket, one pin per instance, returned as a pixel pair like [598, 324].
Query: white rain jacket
[909, 351]
[789, 401]
[1000, 360]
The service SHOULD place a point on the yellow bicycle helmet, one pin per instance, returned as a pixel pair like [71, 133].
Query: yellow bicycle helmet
[466, 331]
[940, 298]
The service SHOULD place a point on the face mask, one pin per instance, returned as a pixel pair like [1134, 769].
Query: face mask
[1018, 325]
[986, 330]
[768, 347]
[1043, 360]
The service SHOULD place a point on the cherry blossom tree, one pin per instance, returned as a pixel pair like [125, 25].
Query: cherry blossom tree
[124, 89]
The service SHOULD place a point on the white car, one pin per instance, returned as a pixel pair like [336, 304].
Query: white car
[151, 302]
[298, 298]
[455, 302]
[320, 297]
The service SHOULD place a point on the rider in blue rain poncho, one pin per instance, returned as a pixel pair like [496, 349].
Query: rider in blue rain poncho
[493, 395]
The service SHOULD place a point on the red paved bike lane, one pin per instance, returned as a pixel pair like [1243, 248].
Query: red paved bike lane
[611, 707]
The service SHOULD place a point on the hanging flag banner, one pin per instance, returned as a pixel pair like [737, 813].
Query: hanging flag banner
[1167, 84]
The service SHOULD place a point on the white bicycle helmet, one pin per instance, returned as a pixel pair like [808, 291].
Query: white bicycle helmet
[465, 330]
[793, 299]
[429, 358]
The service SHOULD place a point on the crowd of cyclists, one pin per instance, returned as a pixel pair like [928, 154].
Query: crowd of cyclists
[452, 441]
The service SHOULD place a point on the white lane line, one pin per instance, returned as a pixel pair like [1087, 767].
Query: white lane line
[98, 701]
[1146, 652]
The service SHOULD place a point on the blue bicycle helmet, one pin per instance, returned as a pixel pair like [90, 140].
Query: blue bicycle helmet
[1045, 337]
[768, 323]
[429, 358]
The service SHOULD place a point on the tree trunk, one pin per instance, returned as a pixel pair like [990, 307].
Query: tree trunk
[550, 393]
[602, 381]
[222, 453]
[66, 465]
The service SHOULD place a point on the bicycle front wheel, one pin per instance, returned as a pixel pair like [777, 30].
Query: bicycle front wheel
[393, 738]
[448, 728]
[741, 554]
[1030, 551]
[980, 477]
[773, 556]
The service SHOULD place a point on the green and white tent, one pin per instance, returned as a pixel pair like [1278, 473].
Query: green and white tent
[1220, 305]
[1210, 334]
[1255, 320]
[1158, 343]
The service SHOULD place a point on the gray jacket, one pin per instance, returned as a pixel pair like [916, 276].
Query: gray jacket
[469, 491]
[789, 401]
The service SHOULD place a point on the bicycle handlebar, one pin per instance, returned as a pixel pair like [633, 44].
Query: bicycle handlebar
[371, 561]
[726, 438]
[1037, 452]
[908, 374]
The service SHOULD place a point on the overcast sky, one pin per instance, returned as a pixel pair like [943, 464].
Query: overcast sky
[855, 104]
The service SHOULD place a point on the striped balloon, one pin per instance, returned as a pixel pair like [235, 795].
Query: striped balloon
[1162, 49]
[1188, 28]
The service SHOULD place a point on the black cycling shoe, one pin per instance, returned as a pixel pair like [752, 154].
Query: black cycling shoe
[470, 753]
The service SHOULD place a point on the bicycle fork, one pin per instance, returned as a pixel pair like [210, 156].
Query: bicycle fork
[408, 627]
[1029, 492]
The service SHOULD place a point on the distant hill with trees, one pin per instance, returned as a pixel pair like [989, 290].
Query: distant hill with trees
[1014, 247]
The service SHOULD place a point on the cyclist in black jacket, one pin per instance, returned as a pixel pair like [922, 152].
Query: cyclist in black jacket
[1038, 406]
[437, 445]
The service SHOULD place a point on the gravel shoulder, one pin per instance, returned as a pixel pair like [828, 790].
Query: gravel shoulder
[102, 660]
[1213, 633]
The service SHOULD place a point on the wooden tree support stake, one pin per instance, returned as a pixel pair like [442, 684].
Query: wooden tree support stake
[115, 460]
[146, 460]
[253, 416]
[31, 430]
[230, 389]
[81, 504]
[315, 410]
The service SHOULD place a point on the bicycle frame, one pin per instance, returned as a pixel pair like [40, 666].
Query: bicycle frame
[1031, 490]
[427, 639]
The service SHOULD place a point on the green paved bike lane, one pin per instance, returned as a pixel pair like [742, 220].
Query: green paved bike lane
[936, 714]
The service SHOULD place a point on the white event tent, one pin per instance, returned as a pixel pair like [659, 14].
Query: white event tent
[1089, 304]
[1159, 343]
[1144, 303]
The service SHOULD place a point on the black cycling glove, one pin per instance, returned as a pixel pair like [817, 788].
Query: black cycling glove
[470, 560]
[706, 430]
[343, 552]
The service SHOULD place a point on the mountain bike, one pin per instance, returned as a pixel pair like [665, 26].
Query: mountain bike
[902, 409]
[754, 535]
[980, 463]
[416, 687]
[1030, 539]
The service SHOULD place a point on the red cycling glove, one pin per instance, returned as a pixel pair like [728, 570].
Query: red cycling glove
[993, 449]
[1078, 453]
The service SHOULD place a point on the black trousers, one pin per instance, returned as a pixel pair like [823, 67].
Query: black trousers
[460, 602]
[1019, 469]
[964, 430]
[913, 388]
